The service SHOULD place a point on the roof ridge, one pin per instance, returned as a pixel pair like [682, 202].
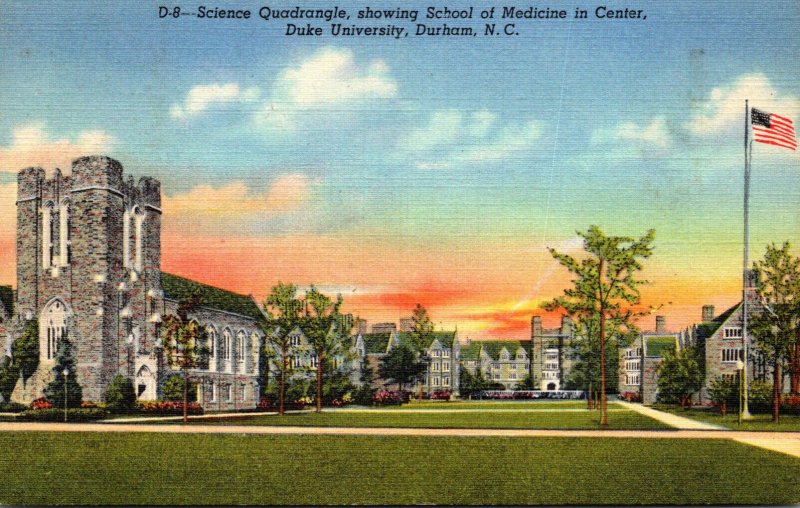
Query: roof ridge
[208, 285]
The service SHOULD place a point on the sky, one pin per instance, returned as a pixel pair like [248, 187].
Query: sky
[432, 170]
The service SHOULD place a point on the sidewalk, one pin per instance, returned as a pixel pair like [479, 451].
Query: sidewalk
[679, 422]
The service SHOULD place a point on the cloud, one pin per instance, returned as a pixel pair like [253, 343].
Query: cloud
[452, 137]
[654, 135]
[32, 146]
[201, 97]
[286, 193]
[329, 77]
[723, 111]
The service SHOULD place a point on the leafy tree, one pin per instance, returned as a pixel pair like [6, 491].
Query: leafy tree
[401, 365]
[586, 354]
[8, 378]
[283, 316]
[470, 384]
[336, 384]
[605, 288]
[527, 383]
[776, 328]
[724, 393]
[421, 328]
[56, 391]
[322, 326]
[25, 351]
[680, 375]
[175, 386]
[121, 396]
[185, 343]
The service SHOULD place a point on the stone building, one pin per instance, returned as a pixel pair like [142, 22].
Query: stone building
[500, 361]
[551, 358]
[638, 363]
[89, 265]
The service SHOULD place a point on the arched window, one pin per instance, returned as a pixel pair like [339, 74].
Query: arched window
[212, 348]
[64, 234]
[225, 347]
[240, 345]
[255, 346]
[126, 239]
[138, 219]
[48, 232]
[52, 326]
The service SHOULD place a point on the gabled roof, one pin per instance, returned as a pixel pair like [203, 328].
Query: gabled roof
[179, 288]
[471, 352]
[708, 328]
[7, 299]
[494, 347]
[446, 339]
[657, 345]
[376, 343]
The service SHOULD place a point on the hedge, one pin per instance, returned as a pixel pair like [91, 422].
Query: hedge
[57, 415]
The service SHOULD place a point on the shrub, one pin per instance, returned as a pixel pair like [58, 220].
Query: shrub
[440, 395]
[631, 396]
[724, 394]
[791, 405]
[264, 404]
[12, 407]
[120, 396]
[388, 398]
[173, 389]
[363, 396]
[168, 407]
[57, 415]
[759, 397]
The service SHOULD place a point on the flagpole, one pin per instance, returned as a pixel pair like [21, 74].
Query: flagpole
[745, 410]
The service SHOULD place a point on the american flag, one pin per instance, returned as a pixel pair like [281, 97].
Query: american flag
[772, 129]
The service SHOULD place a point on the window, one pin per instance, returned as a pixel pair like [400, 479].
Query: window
[733, 333]
[729, 378]
[47, 235]
[632, 379]
[213, 392]
[504, 355]
[513, 375]
[633, 365]
[240, 340]
[436, 366]
[295, 362]
[437, 353]
[446, 381]
[446, 366]
[212, 348]
[513, 366]
[497, 377]
[138, 220]
[126, 239]
[314, 361]
[446, 353]
[52, 327]
[226, 345]
[730, 355]
[551, 366]
[229, 397]
[435, 380]
[295, 340]
[64, 236]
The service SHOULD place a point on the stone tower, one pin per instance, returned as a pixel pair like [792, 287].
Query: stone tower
[88, 264]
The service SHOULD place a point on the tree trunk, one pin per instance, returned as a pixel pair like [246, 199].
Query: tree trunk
[589, 397]
[776, 391]
[603, 398]
[282, 389]
[185, 395]
[723, 408]
[320, 361]
[794, 365]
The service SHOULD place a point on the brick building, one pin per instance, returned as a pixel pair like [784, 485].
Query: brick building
[89, 265]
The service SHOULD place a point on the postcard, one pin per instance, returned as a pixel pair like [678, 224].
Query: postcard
[369, 252]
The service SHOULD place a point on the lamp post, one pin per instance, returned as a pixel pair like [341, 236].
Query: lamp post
[740, 368]
[66, 373]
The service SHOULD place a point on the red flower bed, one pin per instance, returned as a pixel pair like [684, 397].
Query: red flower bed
[631, 396]
[41, 403]
[387, 397]
[440, 395]
[168, 407]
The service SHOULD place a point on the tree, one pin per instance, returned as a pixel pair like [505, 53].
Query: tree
[185, 343]
[174, 388]
[56, 391]
[8, 378]
[723, 392]
[776, 328]
[605, 289]
[421, 328]
[25, 351]
[680, 375]
[121, 395]
[283, 316]
[470, 384]
[401, 366]
[527, 383]
[365, 392]
[323, 327]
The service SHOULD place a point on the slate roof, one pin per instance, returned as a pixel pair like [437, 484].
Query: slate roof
[7, 299]
[179, 288]
[445, 338]
[708, 328]
[376, 343]
[471, 352]
[493, 347]
[657, 345]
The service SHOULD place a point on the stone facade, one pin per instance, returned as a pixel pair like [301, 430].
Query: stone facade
[551, 361]
[638, 363]
[500, 361]
[89, 265]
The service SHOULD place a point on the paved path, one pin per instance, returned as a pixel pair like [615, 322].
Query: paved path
[679, 422]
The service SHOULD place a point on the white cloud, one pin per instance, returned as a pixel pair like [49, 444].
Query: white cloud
[31, 145]
[656, 135]
[723, 111]
[329, 77]
[201, 97]
[453, 137]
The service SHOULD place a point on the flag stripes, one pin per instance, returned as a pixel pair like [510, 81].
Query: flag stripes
[773, 129]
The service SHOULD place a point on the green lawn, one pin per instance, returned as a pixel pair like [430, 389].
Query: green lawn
[483, 419]
[489, 404]
[759, 422]
[97, 468]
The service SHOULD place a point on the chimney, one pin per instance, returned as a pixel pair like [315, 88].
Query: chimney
[708, 312]
[566, 325]
[661, 324]
[536, 326]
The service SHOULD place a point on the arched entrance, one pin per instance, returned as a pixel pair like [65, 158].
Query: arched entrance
[145, 384]
[551, 386]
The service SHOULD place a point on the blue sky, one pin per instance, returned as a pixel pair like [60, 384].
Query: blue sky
[486, 148]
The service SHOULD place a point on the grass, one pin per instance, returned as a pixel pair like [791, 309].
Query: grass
[498, 404]
[759, 422]
[483, 419]
[164, 469]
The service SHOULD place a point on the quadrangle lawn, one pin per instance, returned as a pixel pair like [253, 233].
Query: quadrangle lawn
[487, 419]
[98, 468]
[758, 422]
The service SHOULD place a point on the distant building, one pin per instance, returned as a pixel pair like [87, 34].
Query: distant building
[638, 363]
[406, 324]
[500, 361]
[361, 327]
[384, 327]
[551, 361]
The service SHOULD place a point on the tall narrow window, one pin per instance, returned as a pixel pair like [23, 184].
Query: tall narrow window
[64, 233]
[52, 326]
[126, 239]
[138, 218]
[226, 346]
[212, 348]
[240, 346]
[47, 235]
